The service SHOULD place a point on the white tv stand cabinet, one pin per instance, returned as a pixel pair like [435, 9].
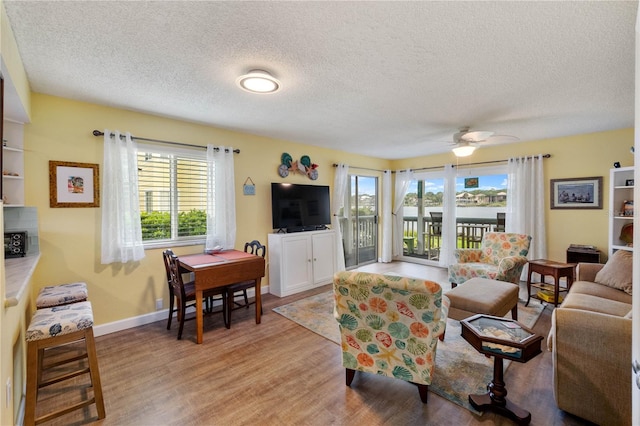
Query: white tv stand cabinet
[301, 261]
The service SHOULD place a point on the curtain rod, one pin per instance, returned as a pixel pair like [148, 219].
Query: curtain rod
[362, 168]
[478, 163]
[439, 167]
[99, 133]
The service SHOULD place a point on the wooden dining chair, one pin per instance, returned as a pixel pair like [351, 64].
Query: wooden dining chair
[240, 289]
[500, 222]
[185, 293]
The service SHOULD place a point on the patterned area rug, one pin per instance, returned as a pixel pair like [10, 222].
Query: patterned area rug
[460, 369]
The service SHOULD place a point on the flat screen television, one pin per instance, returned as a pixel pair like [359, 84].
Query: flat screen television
[297, 208]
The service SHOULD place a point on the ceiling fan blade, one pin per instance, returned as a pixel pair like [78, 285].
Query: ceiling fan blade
[500, 139]
[476, 135]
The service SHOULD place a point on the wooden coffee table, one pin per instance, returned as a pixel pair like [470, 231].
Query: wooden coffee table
[500, 338]
[555, 269]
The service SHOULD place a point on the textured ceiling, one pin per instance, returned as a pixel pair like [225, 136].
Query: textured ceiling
[386, 79]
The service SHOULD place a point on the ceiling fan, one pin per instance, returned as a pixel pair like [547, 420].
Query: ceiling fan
[466, 140]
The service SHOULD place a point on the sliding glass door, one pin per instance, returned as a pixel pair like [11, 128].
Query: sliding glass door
[360, 226]
[423, 217]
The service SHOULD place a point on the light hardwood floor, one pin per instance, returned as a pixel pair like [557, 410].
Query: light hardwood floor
[278, 373]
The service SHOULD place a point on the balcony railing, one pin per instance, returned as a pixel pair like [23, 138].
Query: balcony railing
[469, 232]
[361, 234]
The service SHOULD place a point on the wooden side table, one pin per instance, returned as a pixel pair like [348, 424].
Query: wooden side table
[500, 338]
[557, 270]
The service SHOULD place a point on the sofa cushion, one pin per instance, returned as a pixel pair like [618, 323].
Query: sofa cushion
[618, 271]
[594, 289]
[588, 302]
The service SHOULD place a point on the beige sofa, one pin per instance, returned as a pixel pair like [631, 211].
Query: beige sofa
[590, 338]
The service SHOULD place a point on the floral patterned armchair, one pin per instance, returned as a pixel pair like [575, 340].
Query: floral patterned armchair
[389, 325]
[501, 257]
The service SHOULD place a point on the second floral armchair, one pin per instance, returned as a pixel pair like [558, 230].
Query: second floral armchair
[501, 257]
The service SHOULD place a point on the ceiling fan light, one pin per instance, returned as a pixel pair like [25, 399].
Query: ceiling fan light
[258, 81]
[463, 150]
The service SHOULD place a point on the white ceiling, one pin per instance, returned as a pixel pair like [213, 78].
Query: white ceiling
[386, 79]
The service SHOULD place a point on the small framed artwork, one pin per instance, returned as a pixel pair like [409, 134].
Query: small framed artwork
[471, 183]
[576, 193]
[73, 184]
[629, 182]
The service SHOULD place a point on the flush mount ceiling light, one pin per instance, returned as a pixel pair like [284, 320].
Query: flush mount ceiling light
[464, 149]
[258, 81]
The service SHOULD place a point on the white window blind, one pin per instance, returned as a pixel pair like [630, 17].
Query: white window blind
[172, 183]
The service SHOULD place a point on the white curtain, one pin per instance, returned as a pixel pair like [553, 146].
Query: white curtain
[387, 223]
[121, 229]
[525, 203]
[449, 226]
[221, 199]
[403, 179]
[340, 182]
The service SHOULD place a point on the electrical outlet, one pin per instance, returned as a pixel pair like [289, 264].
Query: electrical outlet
[9, 393]
[158, 304]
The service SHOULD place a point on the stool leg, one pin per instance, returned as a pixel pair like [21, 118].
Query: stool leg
[95, 372]
[40, 365]
[514, 313]
[33, 372]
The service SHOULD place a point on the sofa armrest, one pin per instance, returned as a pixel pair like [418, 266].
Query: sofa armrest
[588, 271]
[591, 365]
[468, 255]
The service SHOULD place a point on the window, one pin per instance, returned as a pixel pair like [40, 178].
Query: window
[172, 189]
[481, 197]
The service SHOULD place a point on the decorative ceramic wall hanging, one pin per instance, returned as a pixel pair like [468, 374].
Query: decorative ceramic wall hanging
[249, 188]
[304, 166]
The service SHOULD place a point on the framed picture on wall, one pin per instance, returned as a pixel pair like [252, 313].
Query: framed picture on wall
[73, 184]
[576, 193]
[470, 183]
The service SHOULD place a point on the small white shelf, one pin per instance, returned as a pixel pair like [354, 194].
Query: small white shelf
[12, 149]
[619, 194]
[13, 162]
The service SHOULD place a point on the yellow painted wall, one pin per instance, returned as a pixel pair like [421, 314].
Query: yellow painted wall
[574, 156]
[70, 237]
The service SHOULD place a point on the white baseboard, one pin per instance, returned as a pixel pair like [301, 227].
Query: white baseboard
[112, 327]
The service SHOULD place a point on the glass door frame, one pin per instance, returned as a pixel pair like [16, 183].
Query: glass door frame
[357, 229]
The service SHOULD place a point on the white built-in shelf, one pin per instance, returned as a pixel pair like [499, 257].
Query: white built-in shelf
[619, 193]
[13, 162]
